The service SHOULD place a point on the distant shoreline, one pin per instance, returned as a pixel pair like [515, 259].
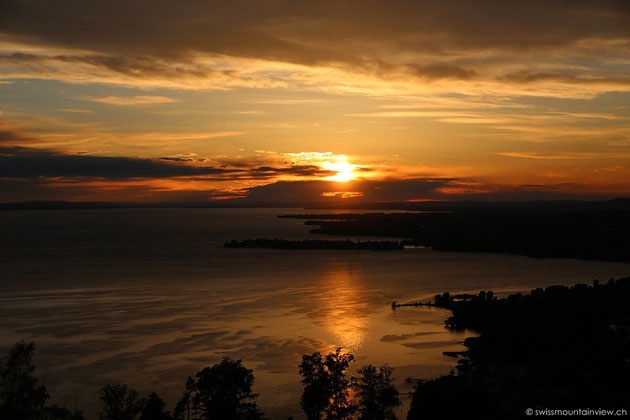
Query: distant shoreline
[316, 244]
[616, 203]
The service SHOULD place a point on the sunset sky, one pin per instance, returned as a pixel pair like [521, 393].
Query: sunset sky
[314, 101]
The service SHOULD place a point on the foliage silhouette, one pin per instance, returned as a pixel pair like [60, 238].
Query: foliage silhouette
[120, 402]
[223, 391]
[182, 409]
[553, 347]
[154, 409]
[377, 393]
[326, 387]
[55, 412]
[316, 395]
[451, 397]
[20, 396]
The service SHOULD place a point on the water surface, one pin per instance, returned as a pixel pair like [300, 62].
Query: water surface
[150, 296]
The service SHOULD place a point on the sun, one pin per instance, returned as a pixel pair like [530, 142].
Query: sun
[345, 170]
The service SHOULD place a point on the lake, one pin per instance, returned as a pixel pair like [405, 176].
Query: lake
[150, 296]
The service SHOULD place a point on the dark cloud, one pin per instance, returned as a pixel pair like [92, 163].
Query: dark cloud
[526, 77]
[22, 162]
[132, 65]
[398, 190]
[442, 71]
[11, 136]
[176, 159]
[384, 69]
[30, 163]
[306, 192]
[301, 170]
[135, 37]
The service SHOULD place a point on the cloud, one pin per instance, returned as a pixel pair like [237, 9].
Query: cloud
[137, 66]
[565, 155]
[178, 136]
[35, 174]
[442, 71]
[284, 101]
[297, 170]
[527, 77]
[22, 162]
[77, 111]
[420, 189]
[9, 136]
[309, 192]
[488, 45]
[258, 113]
[280, 125]
[342, 194]
[29, 163]
[546, 156]
[131, 100]
[314, 31]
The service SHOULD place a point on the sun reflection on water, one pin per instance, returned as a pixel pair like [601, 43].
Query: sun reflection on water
[343, 308]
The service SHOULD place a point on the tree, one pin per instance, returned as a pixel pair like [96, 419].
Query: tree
[223, 391]
[20, 396]
[182, 408]
[55, 412]
[340, 406]
[154, 408]
[326, 388]
[452, 397]
[377, 393]
[120, 402]
[316, 395]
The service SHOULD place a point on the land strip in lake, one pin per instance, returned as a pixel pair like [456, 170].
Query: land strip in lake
[569, 231]
[315, 244]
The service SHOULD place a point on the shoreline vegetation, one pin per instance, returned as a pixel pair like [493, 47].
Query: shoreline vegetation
[558, 347]
[554, 348]
[315, 244]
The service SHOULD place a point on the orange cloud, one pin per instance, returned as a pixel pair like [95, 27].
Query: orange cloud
[131, 100]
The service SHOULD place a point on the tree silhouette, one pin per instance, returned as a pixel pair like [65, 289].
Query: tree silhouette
[55, 412]
[182, 408]
[154, 409]
[451, 397]
[223, 391]
[340, 406]
[326, 387]
[377, 393]
[316, 395]
[120, 402]
[20, 396]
